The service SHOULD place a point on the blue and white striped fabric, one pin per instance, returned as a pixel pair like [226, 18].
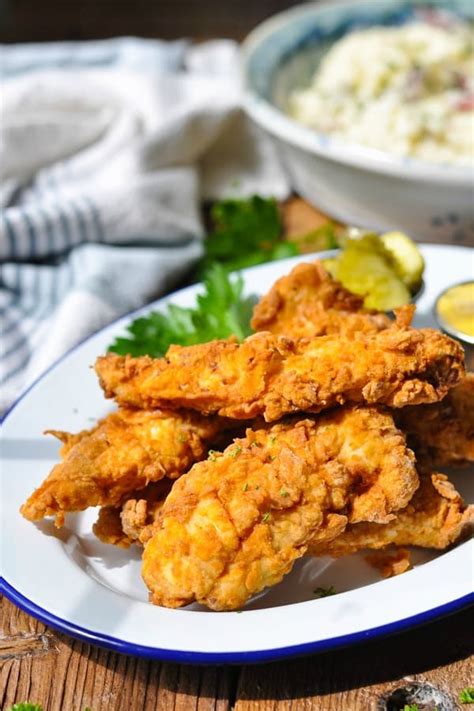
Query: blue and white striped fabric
[107, 150]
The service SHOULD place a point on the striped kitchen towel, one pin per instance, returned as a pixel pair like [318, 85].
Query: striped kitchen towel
[107, 150]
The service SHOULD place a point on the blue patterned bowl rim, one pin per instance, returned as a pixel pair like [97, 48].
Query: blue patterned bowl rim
[277, 39]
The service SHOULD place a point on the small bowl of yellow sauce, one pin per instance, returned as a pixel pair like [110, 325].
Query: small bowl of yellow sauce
[454, 311]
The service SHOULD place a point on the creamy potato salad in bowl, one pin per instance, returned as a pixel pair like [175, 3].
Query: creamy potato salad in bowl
[372, 104]
[407, 90]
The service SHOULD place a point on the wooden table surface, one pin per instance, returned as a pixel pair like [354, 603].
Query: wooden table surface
[40, 665]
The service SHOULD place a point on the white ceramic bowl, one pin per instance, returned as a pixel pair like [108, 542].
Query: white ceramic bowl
[355, 184]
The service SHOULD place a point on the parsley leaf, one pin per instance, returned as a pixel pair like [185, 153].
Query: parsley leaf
[324, 592]
[221, 311]
[26, 706]
[246, 232]
[467, 695]
[410, 707]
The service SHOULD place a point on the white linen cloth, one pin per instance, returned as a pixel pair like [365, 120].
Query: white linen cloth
[107, 150]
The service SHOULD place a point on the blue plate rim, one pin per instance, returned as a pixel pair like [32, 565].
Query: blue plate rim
[259, 656]
[183, 657]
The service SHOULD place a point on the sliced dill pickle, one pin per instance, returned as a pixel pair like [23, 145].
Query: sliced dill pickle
[364, 268]
[406, 257]
[330, 265]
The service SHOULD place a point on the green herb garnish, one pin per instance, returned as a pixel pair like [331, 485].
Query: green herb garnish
[324, 592]
[212, 455]
[237, 450]
[284, 493]
[246, 232]
[265, 517]
[221, 311]
[467, 695]
[245, 487]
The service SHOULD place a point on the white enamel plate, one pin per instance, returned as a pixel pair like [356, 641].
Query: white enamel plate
[93, 591]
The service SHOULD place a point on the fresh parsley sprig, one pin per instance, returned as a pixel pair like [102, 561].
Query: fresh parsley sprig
[245, 233]
[221, 310]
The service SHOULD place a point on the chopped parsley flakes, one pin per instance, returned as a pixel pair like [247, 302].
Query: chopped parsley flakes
[324, 592]
[467, 695]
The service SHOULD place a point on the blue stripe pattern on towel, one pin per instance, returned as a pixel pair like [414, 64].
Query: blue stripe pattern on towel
[107, 150]
[42, 229]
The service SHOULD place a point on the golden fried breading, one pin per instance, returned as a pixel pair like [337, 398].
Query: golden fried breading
[308, 303]
[442, 434]
[122, 453]
[434, 518]
[274, 376]
[108, 527]
[236, 522]
[133, 521]
[391, 562]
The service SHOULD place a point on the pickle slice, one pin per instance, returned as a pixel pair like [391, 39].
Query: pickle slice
[365, 268]
[406, 257]
[330, 265]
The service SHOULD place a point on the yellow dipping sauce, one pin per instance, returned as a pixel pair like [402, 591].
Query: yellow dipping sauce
[455, 308]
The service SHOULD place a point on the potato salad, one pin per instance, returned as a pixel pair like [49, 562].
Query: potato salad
[407, 90]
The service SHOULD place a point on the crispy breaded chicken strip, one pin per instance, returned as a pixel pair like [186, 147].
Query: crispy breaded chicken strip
[122, 453]
[308, 302]
[134, 520]
[274, 376]
[236, 522]
[434, 518]
[442, 434]
[390, 562]
[108, 527]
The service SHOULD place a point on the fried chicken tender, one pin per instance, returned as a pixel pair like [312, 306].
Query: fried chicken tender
[236, 522]
[308, 303]
[134, 520]
[122, 453]
[434, 518]
[108, 528]
[274, 376]
[390, 563]
[442, 434]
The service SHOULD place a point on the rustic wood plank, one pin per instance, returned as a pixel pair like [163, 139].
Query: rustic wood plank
[67, 674]
[360, 678]
[61, 673]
